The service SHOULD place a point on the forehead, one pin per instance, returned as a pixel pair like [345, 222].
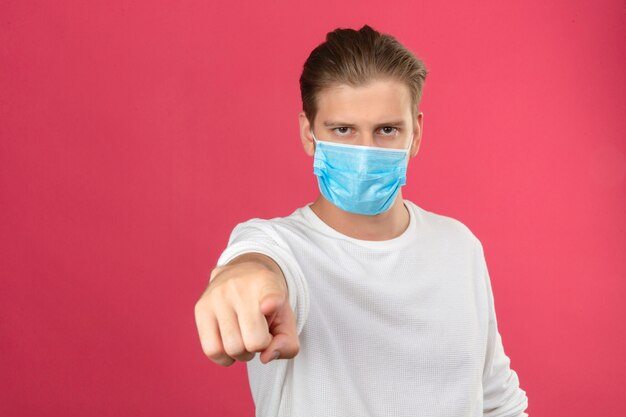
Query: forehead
[379, 100]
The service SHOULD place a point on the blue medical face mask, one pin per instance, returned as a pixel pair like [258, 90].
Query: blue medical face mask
[360, 179]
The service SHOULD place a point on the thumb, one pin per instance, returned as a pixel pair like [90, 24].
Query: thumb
[281, 321]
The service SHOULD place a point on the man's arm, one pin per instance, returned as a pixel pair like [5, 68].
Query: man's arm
[245, 309]
[502, 395]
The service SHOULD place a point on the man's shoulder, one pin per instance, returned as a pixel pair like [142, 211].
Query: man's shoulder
[291, 220]
[443, 225]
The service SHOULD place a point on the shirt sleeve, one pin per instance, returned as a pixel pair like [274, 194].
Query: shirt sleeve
[502, 395]
[258, 236]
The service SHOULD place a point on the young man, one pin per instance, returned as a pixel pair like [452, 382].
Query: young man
[361, 303]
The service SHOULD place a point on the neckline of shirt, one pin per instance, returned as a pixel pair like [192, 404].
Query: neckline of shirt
[406, 237]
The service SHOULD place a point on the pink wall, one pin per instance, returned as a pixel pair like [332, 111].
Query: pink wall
[135, 135]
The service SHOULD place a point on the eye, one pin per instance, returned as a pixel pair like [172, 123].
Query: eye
[340, 133]
[389, 127]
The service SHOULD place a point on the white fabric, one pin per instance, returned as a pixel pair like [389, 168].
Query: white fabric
[401, 327]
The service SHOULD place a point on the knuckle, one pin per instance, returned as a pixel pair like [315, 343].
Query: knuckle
[233, 285]
[234, 348]
[218, 297]
[238, 291]
[217, 355]
[217, 290]
[256, 345]
[212, 350]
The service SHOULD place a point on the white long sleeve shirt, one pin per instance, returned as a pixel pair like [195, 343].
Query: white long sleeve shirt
[400, 327]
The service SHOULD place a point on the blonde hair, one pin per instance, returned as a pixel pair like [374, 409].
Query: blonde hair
[355, 58]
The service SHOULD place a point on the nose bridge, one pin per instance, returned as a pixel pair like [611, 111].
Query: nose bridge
[366, 138]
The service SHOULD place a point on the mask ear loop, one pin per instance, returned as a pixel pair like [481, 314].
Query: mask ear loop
[314, 138]
[408, 150]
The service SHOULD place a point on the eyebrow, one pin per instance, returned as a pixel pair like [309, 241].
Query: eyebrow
[329, 123]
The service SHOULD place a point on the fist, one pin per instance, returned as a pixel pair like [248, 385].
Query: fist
[245, 309]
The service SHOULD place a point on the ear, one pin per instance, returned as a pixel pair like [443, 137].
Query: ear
[417, 134]
[305, 134]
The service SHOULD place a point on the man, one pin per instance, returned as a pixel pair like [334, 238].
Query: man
[361, 303]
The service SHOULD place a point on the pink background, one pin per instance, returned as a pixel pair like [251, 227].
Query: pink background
[136, 135]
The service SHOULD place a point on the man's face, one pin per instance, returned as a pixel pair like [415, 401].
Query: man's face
[377, 114]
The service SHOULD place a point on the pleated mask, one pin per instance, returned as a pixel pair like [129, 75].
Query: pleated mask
[360, 179]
